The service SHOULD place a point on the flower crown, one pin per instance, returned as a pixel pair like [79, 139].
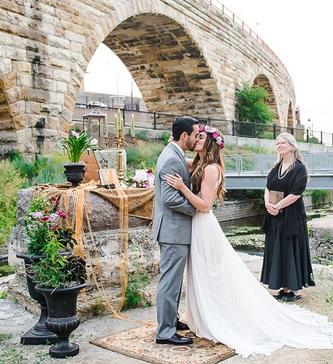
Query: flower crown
[214, 133]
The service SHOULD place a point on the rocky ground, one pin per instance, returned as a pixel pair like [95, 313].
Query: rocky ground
[14, 321]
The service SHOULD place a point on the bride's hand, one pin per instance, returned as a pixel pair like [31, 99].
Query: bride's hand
[175, 181]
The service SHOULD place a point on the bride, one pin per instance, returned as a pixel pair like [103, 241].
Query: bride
[224, 301]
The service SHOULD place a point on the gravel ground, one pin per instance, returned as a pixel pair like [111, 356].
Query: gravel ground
[15, 320]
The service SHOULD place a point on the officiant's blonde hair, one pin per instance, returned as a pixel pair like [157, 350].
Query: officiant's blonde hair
[291, 140]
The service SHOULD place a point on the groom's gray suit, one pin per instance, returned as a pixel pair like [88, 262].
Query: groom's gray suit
[172, 227]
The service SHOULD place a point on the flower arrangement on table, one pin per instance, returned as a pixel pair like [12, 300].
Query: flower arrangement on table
[143, 178]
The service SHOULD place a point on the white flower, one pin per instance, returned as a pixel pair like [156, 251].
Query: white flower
[140, 175]
[219, 140]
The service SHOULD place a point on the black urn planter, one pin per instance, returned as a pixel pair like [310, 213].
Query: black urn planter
[74, 172]
[38, 334]
[62, 318]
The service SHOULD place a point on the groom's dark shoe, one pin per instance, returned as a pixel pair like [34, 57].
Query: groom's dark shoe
[176, 340]
[181, 326]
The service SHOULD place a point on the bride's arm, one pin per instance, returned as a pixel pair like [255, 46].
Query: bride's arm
[208, 186]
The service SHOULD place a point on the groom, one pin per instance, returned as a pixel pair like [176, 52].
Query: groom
[172, 227]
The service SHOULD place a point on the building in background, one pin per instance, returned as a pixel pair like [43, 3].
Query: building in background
[106, 100]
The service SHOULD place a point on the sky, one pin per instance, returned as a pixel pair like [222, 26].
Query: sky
[298, 31]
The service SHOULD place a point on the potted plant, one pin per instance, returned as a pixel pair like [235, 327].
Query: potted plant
[60, 278]
[75, 145]
[40, 218]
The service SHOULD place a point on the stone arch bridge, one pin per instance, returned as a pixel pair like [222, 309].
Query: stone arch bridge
[186, 56]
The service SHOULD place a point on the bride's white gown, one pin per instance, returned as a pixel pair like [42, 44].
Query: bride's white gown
[226, 303]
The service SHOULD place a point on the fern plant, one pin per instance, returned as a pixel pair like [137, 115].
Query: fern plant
[76, 144]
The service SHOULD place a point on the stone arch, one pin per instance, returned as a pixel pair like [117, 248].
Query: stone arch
[167, 65]
[290, 119]
[262, 81]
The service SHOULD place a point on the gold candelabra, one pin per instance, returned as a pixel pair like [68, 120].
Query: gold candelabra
[120, 144]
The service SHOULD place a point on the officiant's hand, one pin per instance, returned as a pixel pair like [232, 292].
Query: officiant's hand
[271, 209]
[175, 181]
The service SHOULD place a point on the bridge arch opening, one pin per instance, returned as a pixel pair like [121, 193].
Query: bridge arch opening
[262, 81]
[167, 66]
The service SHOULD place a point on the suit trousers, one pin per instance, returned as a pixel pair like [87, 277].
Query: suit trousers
[173, 259]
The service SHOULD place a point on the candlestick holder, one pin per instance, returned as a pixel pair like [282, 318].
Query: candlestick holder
[120, 144]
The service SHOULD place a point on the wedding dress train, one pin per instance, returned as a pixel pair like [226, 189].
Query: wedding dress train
[226, 303]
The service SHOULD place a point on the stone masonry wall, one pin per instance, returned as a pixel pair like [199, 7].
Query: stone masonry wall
[186, 57]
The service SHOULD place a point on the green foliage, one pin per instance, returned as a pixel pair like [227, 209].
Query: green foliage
[76, 144]
[40, 220]
[142, 135]
[133, 298]
[319, 197]
[3, 295]
[57, 270]
[143, 155]
[47, 169]
[165, 137]
[4, 337]
[251, 107]
[10, 183]
[10, 355]
[314, 140]
[5, 270]
[97, 307]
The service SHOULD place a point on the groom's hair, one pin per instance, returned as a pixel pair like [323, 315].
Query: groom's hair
[183, 124]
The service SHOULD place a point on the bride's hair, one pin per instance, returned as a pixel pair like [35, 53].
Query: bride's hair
[211, 155]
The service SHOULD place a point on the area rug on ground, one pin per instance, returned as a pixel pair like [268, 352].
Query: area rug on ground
[140, 343]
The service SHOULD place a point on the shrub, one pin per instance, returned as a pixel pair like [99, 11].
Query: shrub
[142, 135]
[251, 107]
[143, 155]
[48, 169]
[10, 183]
[319, 197]
[165, 137]
[133, 298]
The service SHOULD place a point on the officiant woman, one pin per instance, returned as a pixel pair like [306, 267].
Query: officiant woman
[286, 265]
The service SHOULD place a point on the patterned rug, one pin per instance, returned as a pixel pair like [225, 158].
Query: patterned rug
[140, 343]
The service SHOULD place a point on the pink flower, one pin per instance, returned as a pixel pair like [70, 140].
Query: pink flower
[61, 214]
[215, 134]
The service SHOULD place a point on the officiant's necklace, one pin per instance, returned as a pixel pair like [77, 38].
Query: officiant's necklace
[285, 172]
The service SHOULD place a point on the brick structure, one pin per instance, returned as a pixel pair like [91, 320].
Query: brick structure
[185, 56]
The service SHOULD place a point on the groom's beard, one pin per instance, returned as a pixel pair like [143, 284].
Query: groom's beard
[190, 146]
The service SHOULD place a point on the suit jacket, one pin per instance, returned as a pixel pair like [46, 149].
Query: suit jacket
[172, 222]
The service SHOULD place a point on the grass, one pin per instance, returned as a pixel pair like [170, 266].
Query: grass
[143, 155]
[10, 183]
[5, 270]
[11, 355]
[4, 337]
[133, 296]
[3, 296]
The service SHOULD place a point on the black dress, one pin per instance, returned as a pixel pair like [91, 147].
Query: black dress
[287, 254]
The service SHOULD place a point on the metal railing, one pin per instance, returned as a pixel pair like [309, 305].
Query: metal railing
[163, 121]
[260, 164]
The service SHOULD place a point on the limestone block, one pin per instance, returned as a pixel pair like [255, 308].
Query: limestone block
[56, 97]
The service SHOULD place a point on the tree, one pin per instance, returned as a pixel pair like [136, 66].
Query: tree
[251, 107]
